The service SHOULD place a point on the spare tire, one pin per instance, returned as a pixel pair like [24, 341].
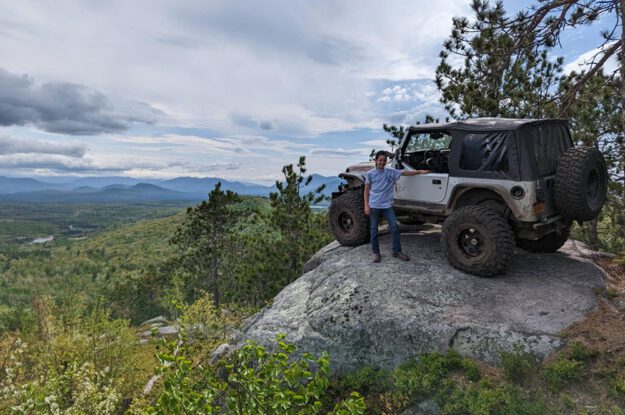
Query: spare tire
[348, 222]
[581, 183]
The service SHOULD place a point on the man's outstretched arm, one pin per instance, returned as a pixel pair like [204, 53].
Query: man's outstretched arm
[414, 172]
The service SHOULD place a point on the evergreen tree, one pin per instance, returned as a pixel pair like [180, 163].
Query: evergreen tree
[542, 25]
[484, 73]
[291, 214]
[203, 242]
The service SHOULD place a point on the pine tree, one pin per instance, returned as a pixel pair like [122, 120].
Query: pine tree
[292, 215]
[484, 73]
[203, 242]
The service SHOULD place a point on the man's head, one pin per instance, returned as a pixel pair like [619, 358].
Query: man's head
[380, 159]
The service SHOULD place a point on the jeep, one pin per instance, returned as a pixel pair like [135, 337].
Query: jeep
[494, 182]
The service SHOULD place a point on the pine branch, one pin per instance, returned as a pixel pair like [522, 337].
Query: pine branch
[569, 97]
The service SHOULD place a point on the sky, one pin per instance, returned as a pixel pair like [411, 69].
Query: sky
[230, 89]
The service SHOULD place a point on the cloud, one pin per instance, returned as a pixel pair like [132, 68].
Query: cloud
[65, 108]
[247, 121]
[581, 63]
[60, 163]
[14, 146]
[338, 152]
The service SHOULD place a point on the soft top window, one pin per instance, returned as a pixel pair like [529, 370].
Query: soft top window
[485, 152]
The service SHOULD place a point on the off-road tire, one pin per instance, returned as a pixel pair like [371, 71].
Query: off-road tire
[581, 183]
[346, 209]
[547, 244]
[495, 236]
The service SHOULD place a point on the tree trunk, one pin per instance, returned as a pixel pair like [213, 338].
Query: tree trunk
[622, 62]
[593, 238]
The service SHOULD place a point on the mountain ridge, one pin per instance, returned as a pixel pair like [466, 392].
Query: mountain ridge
[114, 189]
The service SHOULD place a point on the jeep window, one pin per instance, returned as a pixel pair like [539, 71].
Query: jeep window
[485, 152]
[549, 142]
[428, 141]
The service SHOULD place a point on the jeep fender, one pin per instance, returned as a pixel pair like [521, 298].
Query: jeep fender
[521, 209]
[353, 179]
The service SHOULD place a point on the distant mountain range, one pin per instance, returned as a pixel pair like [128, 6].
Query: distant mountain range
[119, 189]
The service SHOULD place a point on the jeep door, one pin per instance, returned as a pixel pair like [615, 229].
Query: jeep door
[424, 151]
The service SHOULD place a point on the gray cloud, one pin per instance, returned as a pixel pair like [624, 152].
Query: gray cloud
[68, 164]
[66, 108]
[61, 163]
[14, 146]
[336, 152]
[247, 121]
[276, 29]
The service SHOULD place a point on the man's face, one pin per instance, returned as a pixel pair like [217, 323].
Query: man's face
[380, 162]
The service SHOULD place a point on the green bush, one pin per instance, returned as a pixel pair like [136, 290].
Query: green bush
[518, 366]
[75, 361]
[581, 353]
[429, 377]
[561, 372]
[251, 381]
[485, 398]
[423, 377]
[367, 380]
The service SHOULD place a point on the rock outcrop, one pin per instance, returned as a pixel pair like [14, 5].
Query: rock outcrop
[383, 314]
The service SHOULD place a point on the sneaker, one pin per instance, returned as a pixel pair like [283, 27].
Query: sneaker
[377, 258]
[402, 256]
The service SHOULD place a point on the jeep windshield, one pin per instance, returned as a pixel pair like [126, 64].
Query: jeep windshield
[428, 141]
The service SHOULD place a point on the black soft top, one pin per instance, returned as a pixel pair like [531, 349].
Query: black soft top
[484, 124]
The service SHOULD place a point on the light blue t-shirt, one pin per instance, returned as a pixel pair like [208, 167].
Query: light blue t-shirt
[381, 183]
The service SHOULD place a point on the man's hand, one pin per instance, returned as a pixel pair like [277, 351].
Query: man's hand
[367, 210]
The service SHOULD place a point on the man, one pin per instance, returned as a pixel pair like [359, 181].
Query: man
[379, 187]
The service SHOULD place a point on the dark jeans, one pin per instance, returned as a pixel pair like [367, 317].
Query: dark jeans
[389, 215]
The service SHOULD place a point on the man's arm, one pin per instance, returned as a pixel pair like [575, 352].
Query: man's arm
[414, 172]
[367, 210]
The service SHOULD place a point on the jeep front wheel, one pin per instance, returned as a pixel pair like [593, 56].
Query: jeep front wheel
[348, 221]
[477, 240]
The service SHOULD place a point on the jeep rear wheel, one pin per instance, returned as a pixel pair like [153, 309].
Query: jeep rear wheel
[477, 240]
[581, 183]
[348, 221]
[546, 244]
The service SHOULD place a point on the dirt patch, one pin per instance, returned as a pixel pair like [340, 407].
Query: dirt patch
[602, 332]
[615, 275]
[604, 328]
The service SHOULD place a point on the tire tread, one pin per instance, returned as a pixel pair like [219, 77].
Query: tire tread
[501, 234]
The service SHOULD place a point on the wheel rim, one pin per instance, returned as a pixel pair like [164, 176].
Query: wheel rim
[592, 187]
[471, 242]
[346, 222]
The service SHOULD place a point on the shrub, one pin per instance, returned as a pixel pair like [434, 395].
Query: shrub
[518, 366]
[366, 380]
[561, 372]
[77, 362]
[423, 377]
[581, 353]
[429, 376]
[486, 397]
[251, 381]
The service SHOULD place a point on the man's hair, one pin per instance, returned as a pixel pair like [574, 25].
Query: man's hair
[380, 154]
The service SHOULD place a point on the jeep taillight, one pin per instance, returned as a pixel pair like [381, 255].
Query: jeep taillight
[538, 208]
